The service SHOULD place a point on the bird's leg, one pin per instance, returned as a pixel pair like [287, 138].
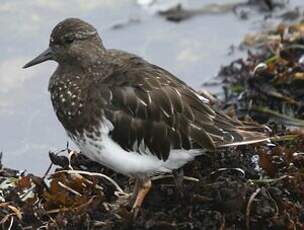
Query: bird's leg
[179, 181]
[135, 192]
[144, 186]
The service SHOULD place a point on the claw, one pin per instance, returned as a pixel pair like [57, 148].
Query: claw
[135, 212]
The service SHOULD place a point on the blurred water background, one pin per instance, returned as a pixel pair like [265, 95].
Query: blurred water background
[193, 50]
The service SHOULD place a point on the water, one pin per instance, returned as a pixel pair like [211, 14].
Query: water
[194, 50]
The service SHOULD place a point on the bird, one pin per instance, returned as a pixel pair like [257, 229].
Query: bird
[128, 114]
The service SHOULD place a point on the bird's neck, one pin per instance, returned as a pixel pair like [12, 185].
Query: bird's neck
[84, 59]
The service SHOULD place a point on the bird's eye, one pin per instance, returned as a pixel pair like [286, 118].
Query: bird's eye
[69, 39]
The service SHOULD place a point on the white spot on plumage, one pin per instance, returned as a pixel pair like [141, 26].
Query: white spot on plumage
[111, 95]
[165, 113]
[141, 101]
[149, 98]
[204, 99]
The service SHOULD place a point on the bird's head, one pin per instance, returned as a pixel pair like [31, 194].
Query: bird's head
[73, 41]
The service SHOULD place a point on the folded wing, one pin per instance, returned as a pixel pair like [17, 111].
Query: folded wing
[154, 112]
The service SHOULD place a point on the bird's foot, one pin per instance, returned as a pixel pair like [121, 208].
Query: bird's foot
[179, 182]
[135, 212]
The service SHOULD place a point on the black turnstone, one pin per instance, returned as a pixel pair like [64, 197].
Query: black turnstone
[128, 114]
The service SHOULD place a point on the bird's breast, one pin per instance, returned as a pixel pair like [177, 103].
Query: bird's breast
[67, 98]
[70, 102]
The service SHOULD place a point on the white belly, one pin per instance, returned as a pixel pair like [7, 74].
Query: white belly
[107, 152]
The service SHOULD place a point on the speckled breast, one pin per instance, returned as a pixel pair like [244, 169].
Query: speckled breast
[69, 99]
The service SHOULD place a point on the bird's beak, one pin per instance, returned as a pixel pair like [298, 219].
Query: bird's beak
[44, 56]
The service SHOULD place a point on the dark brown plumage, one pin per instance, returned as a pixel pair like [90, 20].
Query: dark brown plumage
[118, 107]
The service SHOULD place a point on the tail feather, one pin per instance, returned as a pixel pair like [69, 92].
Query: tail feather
[245, 142]
[235, 132]
[245, 135]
